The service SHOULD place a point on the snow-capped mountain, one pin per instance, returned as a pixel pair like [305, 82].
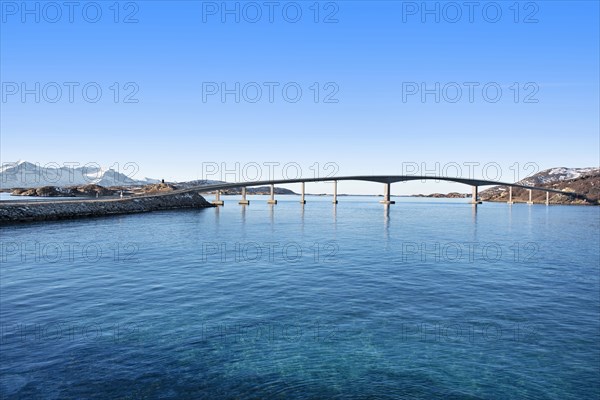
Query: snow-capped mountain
[553, 175]
[24, 174]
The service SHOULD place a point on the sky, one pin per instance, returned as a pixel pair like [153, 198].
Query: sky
[257, 90]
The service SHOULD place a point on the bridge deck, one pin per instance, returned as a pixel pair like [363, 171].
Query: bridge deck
[367, 178]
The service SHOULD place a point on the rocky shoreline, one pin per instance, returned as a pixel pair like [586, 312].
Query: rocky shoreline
[587, 187]
[57, 210]
[451, 195]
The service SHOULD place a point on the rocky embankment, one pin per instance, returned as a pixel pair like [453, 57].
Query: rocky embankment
[71, 191]
[451, 195]
[259, 190]
[587, 187]
[55, 210]
[93, 190]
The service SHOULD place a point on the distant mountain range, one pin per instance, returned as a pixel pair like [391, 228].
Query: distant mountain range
[69, 181]
[584, 181]
[24, 174]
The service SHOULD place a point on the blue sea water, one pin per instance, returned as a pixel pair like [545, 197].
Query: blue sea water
[423, 299]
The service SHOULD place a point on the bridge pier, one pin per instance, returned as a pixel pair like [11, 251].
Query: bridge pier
[335, 201]
[547, 198]
[272, 198]
[475, 195]
[510, 195]
[302, 199]
[218, 201]
[243, 201]
[530, 202]
[386, 194]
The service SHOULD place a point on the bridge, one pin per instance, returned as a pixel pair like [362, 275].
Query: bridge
[386, 180]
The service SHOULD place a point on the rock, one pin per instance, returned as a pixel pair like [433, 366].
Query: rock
[451, 195]
[158, 188]
[91, 190]
[52, 191]
[44, 191]
[260, 190]
[20, 192]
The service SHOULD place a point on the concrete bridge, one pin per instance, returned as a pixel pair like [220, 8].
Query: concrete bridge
[386, 180]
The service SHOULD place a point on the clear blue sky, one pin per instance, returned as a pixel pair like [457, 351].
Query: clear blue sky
[373, 58]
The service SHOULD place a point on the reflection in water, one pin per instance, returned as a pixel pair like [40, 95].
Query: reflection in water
[529, 218]
[217, 217]
[474, 221]
[474, 213]
[302, 218]
[386, 225]
[335, 215]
